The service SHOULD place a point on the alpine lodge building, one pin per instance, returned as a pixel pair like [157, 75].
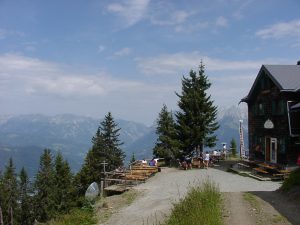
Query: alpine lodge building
[274, 115]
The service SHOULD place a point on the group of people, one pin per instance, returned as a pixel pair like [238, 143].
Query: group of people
[204, 159]
[153, 162]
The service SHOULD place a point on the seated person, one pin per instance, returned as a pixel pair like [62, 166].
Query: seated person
[144, 162]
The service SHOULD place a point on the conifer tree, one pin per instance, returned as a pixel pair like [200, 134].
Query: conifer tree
[10, 194]
[106, 148]
[106, 143]
[167, 144]
[196, 119]
[63, 184]
[44, 188]
[89, 173]
[233, 147]
[133, 159]
[26, 212]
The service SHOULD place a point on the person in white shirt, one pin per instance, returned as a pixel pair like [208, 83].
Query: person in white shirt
[206, 160]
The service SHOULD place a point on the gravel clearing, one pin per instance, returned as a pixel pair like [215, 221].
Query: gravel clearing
[154, 205]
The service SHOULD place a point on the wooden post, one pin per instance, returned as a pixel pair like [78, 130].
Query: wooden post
[104, 171]
[101, 188]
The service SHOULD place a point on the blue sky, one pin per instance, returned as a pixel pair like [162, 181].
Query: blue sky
[128, 57]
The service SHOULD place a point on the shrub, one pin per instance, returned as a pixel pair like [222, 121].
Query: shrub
[202, 205]
[291, 181]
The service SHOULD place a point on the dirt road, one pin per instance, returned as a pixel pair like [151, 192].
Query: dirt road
[154, 205]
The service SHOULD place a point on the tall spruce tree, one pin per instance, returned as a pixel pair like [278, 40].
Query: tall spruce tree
[10, 207]
[167, 144]
[63, 184]
[44, 188]
[106, 143]
[196, 119]
[106, 148]
[25, 199]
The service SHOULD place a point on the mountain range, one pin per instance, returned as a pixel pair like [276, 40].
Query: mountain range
[24, 137]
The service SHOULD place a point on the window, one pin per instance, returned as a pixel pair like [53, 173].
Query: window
[261, 109]
[282, 145]
[278, 107]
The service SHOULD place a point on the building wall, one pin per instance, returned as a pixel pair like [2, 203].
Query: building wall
[268, 103]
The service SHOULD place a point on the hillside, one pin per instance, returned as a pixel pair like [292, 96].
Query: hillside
[24, 137]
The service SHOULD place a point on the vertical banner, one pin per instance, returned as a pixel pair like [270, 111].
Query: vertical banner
[242, 152]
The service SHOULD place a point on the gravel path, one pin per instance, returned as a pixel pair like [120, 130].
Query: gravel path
[171, 184]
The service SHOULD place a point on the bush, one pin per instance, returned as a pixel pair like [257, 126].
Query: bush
[202, 205]
[291, 181]
[76, 217]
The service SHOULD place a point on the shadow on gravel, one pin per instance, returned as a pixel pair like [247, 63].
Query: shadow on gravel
[286, 205]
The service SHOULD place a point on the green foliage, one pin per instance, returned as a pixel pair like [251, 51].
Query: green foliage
[76, 217]
[63, 193]
[133, 159]
[25, 199]
[233, 147]
[106, 147]
[196, 119]
[292, 181]
[167, 144]
[10, 193]
[44, 188]
[202, 205]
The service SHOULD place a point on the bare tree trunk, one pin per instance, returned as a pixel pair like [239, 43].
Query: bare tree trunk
[11, 216]
[1, 216]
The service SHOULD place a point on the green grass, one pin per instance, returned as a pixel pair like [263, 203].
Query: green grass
[292, 180]
[76, 217]
[202, 205]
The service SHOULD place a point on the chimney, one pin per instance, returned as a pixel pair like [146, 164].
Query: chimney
[298, 63]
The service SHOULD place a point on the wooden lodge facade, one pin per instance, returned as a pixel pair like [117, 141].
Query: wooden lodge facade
[274, 114]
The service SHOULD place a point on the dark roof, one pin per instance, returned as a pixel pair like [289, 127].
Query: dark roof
[285, 77]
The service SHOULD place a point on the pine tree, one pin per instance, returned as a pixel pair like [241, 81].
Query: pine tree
[10, 194]
[44, 188]
[106, 148]
[107, 143]
[233, 147]
[26, 212]
[63, 184]
[196, 119]
[89, 173]
[133, 159]
[167, 144]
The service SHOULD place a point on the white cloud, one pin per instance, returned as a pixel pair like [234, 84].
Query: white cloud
[132, 11]
[123, 52]
[239, 13]
[176, 63]
[30, 85]
[222, 21]
[101, 48]
[281, 30]
[4, 33]
[169, 18]
[38, 77]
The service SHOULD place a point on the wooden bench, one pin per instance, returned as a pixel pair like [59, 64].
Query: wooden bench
[260, 170]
